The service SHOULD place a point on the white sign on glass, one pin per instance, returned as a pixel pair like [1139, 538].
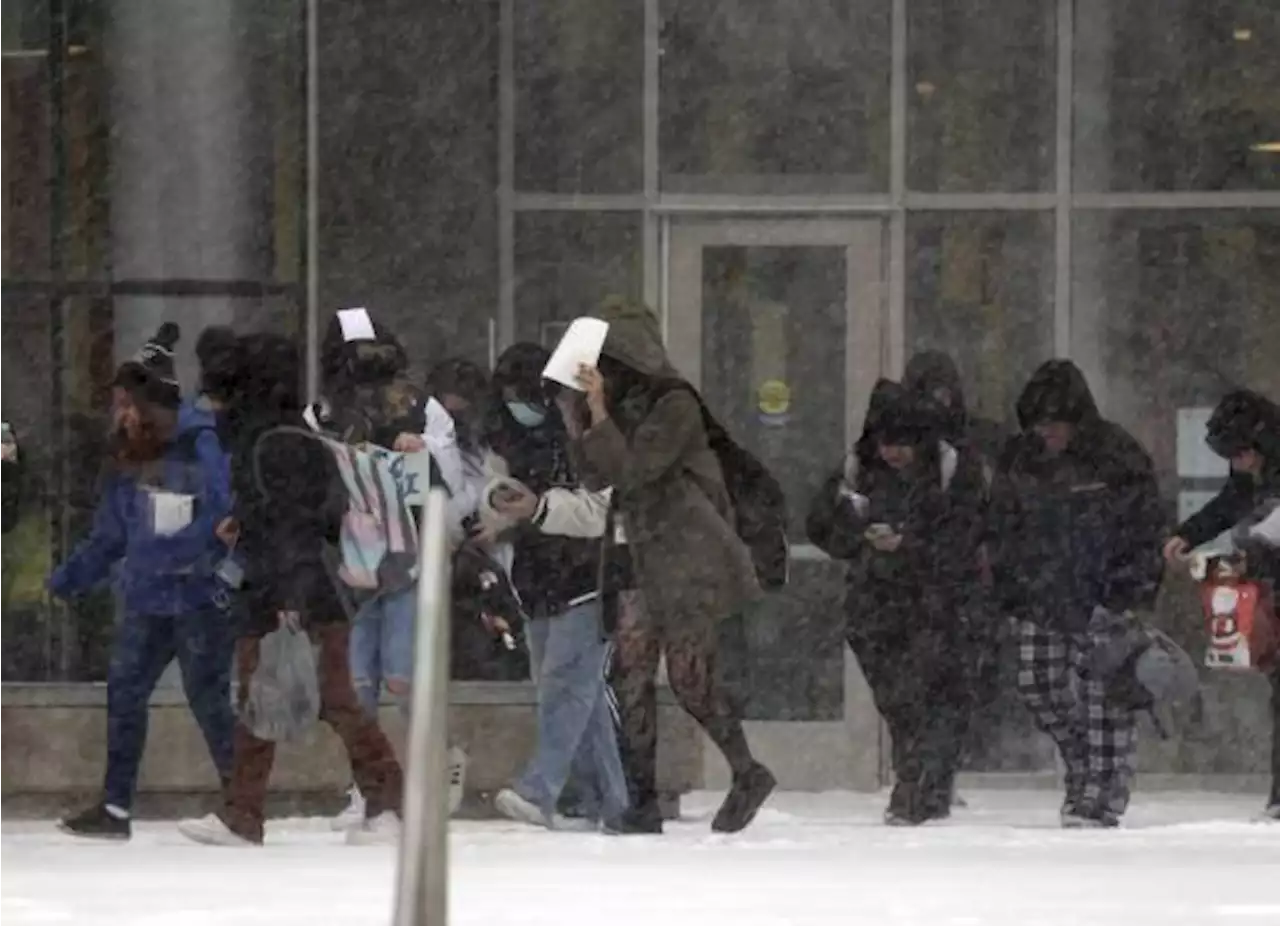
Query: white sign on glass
[1195, 459]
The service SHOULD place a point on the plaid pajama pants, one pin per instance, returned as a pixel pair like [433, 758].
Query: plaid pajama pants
[1095, 736]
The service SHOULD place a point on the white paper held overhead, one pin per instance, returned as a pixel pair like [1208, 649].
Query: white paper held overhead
[581, 344]
[356, 325]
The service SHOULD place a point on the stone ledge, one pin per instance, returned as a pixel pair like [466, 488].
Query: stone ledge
[54, 745]
[94, 694]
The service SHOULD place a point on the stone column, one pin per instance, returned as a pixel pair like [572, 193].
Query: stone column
[190, 155]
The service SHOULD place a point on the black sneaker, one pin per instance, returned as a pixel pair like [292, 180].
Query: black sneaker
[97, 823]
[744, 800]
[638, 821]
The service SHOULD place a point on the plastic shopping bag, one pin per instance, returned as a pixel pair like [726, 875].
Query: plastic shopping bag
[284, 693]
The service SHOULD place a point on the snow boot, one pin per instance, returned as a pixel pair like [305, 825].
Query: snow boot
[744, 800]
[101, 821]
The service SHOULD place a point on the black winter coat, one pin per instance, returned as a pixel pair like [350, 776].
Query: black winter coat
[290, 516]
[1259, 420]
[1079, 530]
[933, 582]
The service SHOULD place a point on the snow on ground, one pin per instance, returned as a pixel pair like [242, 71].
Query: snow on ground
[809, 859]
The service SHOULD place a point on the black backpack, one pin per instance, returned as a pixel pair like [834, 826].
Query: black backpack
[759, 504]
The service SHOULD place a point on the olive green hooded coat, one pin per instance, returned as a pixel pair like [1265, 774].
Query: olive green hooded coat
[669, 491]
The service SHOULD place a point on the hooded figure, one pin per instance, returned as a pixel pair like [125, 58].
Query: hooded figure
[905, 511]
[1244, 429]
[288, 512]
[163, 495]
[1075, 536]
[690, 568]
[933, 376]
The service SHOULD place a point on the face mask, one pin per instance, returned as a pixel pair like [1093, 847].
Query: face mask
[527, 414]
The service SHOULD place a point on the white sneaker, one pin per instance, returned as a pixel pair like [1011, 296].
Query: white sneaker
[352, 815]
[382, 830]
[211, 831]
[1270, 815]
[514, 807]
[457, 778]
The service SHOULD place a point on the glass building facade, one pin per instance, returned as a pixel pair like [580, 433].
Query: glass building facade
[808, 192]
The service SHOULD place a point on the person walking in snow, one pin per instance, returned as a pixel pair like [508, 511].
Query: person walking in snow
[370, 399]
[1245, 430]
[1076, 528]
[647, 440]
[906, 511]
[557, 578]
[288, 513]
[932, 377]
[165, 491]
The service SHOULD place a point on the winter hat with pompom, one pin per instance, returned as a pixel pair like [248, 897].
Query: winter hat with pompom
[150, 373]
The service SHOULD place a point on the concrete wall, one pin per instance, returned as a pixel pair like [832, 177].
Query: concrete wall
[53, 749]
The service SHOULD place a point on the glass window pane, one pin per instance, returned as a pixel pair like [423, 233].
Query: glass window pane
[1177, 307]
[27, 162]
[765, 97]
[1188, 105]
[579, 73]
[567, 263]
[980, 96]
[774, 323]
[980, 288]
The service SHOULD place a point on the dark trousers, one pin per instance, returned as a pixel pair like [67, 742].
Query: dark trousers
[144, 646]
[920, 684]
[373, 762]
[691, 671]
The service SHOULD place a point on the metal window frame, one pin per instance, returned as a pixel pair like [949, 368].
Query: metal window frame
[896, 204]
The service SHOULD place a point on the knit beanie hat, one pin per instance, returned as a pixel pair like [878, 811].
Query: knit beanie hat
[150, 373]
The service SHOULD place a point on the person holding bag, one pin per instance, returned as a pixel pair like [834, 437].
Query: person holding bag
[288, 514]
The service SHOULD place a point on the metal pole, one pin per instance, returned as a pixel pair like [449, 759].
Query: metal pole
[313, 200]
[422, 882]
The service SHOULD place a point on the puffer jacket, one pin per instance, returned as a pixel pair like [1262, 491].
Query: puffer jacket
[1078, 530]
[934, 580]
[159, 574]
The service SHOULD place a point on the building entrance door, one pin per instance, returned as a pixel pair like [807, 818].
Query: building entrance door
[779, 322]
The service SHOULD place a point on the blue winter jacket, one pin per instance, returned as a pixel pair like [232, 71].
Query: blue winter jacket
[159, 575]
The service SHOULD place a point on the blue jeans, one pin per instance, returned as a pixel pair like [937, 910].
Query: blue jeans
[382, 642]
[203, 642]
[575, 727]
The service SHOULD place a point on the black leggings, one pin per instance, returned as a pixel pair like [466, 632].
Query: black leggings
[691, 670]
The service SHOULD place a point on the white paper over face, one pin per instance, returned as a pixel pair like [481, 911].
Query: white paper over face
[581, 344]
[356, 325]
[171, 512]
